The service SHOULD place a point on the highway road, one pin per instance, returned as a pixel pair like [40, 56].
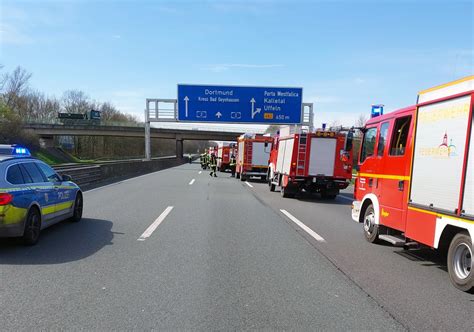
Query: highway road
[177, 249]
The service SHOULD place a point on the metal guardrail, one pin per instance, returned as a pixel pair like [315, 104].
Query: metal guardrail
[86, 174]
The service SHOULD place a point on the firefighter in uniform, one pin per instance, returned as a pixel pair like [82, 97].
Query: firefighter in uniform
[213, 165]
[232, 164]
[203, 159]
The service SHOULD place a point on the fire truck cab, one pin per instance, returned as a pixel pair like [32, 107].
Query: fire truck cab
[317, 162]
[415, 182]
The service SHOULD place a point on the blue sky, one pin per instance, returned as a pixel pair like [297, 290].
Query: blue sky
[346, 55]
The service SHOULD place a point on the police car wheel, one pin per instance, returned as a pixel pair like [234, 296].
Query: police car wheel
[371, 229]
[78, 207]
[32, 227]
[460, 262]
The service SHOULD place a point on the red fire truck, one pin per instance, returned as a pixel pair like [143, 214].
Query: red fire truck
[253, 152]
[416, 177]
[319, 162]
[224, 152]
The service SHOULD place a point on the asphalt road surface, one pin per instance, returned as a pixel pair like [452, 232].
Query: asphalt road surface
[177, 249]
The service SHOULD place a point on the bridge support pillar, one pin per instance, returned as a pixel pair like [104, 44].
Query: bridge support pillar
[179, 148]
[147, 140]
[46, 142]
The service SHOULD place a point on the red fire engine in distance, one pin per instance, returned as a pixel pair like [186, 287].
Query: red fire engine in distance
[316, 162]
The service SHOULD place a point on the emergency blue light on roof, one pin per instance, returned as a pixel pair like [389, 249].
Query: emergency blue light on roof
[20, 151]
[377, 110]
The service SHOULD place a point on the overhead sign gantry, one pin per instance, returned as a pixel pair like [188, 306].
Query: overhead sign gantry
[229, 104]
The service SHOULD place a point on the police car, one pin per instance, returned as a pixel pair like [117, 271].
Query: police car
[33, 196]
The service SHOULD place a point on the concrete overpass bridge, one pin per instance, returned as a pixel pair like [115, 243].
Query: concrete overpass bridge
[47, 132]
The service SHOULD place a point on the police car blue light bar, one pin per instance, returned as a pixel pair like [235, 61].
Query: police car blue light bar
[22, 151]
[14, 150]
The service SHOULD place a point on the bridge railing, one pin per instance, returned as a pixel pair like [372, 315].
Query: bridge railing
[177, 126]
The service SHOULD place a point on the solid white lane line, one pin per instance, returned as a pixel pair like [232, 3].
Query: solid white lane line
[199, 172]
[347, 198]
[155, 224]
[308, 230]
[192, 181]
[248, 184]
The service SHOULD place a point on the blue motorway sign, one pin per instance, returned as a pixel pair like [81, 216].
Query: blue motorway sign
[239, 104]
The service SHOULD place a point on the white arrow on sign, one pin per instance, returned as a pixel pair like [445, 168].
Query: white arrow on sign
[186, 99]
[254, 112]
[218, 114]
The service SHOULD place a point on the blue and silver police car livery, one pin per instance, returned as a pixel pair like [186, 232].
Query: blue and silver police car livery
[33, 196]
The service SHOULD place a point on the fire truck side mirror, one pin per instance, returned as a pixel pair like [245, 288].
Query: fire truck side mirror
[349, 140]
[266, 144]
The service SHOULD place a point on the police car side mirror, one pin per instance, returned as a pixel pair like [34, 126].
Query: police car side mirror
[66, 177]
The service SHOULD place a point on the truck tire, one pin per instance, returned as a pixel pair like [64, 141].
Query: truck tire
[460, 262]
[287, 192]
[271, 185]
[371, 229]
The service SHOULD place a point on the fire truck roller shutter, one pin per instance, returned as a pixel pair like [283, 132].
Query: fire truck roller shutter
[439, 153]
[241, 151]
[260, 154]
[322, 156]
[468, 202]
[287, 156]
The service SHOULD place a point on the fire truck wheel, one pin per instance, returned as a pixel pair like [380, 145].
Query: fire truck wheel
[242, 178]
[460, 262]
[287, 192]
[271, 185]
[371, 229]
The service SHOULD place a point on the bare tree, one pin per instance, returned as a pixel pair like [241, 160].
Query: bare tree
[15, 86]
[335, 124]
[3, 78]
[40, 107]
[361, 120]
[75, 101]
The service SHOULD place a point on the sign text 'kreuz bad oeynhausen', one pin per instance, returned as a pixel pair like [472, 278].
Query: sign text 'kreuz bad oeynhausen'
[239, 104]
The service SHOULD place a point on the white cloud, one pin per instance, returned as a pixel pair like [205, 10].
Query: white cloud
[217, 68]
